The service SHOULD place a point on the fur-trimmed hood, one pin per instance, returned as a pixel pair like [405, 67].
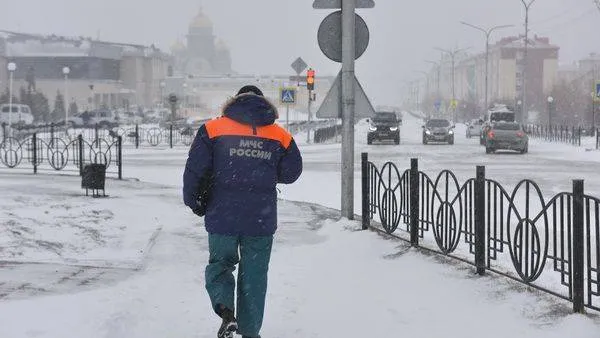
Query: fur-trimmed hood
[251, 109]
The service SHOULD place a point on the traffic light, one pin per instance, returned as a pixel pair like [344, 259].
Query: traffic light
[310, 79]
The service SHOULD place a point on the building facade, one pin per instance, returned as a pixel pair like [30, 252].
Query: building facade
[506, 63]
[100, 73]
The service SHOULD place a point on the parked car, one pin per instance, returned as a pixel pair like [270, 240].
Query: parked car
[384, 126]
[474, 128]
[21, 114]
[506, 136]
[438, 130]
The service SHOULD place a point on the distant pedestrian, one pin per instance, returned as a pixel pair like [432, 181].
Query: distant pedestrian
[230, 177]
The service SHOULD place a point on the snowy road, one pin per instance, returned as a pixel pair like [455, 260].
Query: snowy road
[326, 280]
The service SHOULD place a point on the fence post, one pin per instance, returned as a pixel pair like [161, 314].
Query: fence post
[171, 136]
[578, 247]
[366, 198]
[34, 139]
[80, 146]
[96, 133]
[52, 132]
[480, 239]
[120, 155]
[597, 138]
[414, 202]
[137, 137]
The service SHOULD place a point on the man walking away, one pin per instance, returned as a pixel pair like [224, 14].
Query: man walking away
[230, 178]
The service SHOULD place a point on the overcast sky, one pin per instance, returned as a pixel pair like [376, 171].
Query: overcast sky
[265, 36]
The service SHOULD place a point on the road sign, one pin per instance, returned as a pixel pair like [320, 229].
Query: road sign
[299, 66]
[173, 98]
[330, 36]
[330, 108]
[453, 104]
[337, 4]
[598, 90]
[287, 95]
[437, 105]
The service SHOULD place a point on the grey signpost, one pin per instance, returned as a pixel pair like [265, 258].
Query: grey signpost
[344, 36]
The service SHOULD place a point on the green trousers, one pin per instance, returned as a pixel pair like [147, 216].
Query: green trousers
[253, 255]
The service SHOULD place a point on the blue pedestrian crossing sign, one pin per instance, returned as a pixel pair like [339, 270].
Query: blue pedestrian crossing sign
[288, 95]
[598, 90]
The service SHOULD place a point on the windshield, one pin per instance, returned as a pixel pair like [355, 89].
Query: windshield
[507, 126]
[385, 117]
[438, 124]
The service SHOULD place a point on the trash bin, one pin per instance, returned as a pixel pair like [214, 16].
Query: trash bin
[94, 178]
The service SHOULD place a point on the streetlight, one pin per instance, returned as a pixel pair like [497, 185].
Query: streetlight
[550, 101]
[66, 71]
[487, 33]
[524, 75]
[11, 68]
[439, 70]
[452, 54]
[162, 94]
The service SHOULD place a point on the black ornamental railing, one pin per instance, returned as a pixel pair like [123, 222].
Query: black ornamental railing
[549, 244]
[60, 154]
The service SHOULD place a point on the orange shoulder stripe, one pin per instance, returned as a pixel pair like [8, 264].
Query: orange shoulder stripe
[227, 127]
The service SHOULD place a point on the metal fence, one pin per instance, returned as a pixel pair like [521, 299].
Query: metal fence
[60, 154]
[326, 134]
[564, 134]
[550, 244]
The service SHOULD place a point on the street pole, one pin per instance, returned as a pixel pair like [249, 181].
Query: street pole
[525, 110]
[452, 54]
[309, 117]
[488, 33]
[348, 56]
[287, 116]
[438, 72]
[66, 71]
[10, 101]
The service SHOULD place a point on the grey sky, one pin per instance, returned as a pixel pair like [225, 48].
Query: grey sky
[266, 35]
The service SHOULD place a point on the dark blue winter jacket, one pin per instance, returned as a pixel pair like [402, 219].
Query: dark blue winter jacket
[243, 155]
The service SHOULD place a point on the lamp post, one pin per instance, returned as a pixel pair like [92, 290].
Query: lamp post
[550, 102]
[524, 75]
[426, 80]
[11, 69]
[439, 70]
[453, 54]
[162, 93]
[66, 71]
[487, 33]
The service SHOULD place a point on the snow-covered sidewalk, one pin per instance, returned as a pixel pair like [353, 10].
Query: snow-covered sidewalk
[326, 278]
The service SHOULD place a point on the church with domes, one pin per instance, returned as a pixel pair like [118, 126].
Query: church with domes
[202, 53]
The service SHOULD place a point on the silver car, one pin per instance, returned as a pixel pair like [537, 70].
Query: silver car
[506, 136]
[474, 128]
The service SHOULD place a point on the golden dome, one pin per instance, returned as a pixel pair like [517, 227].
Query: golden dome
[201, 21]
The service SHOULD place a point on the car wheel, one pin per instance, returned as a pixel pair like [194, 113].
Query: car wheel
[424, 141]
[397, 141]
[488, 150]
[451, 141]
[369, 141]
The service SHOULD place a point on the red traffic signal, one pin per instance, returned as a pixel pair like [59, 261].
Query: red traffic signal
[310, 79]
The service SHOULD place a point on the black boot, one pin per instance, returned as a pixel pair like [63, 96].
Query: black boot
[229, 326]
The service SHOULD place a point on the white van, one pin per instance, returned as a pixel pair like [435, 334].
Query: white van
[21, 114]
